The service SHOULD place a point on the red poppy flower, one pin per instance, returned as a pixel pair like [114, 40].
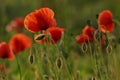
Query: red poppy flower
[105, 21]
[6, 51]
[89, 31]
[20, 42]
[87, 35]
[82, 38]
[15, 24]
[55, 34]
[40, 20]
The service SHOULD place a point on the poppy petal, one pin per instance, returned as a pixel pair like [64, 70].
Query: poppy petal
[105, 21]
[40, 20]
[55, 33]
[31, 23]
[82, 38]
[20, 42]
[6, 51]
[88, 30]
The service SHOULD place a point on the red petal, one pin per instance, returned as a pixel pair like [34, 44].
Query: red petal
[19, 21]
[105, 21]
[82, 38]
[55, 33]
[40, 20]
[47, 12]
[31, 23]
[20, 42]
[5, 51]
[89, 31]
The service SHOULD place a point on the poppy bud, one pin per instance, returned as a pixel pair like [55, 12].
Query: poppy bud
[59, 63]
[31, 59]
[84, 47]
[98, 35]
[39, 37]
[46, 77]
[109, 49]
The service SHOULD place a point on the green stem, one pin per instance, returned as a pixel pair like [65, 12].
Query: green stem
[64, 61]
[19, 67]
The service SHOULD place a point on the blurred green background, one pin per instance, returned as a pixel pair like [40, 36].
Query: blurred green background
[70, 14]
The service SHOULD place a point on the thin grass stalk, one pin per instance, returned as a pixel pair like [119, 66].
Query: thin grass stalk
[106, 58]
[38, 62]
[18, 67]
[51, 62]
[64, 61]
[95, 58]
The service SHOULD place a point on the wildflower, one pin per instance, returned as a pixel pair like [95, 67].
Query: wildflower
[89, 31]
[87, 35]
[15, 24]
[6, 51]
[105, 21]
[20, 42]
[40, 19]
[82, 38]
[53, 35]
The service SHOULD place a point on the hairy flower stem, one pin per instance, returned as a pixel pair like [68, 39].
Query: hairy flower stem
[64, 61]
[106, 59]
[37, 55]
[18, 67]
[95, 58]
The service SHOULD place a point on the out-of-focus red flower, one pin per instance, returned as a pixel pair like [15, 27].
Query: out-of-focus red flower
[40, 19]
[82, 38]
[15, 24]
[105, 21]
[87, 35]
[54, 33]
[6, 51]
[20, 42]
[89, 31]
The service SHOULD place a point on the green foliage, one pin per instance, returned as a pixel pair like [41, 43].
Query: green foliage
[71, 15]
